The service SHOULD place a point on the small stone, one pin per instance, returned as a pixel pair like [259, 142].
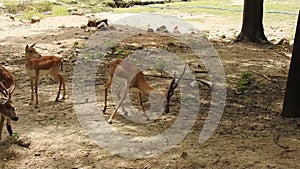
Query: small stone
[184, 155]
[150, 30]
[159, 29]
[83, 26]
[37, 154]
[35, 19]
[24, 141]
[62, 26]
[84, 37]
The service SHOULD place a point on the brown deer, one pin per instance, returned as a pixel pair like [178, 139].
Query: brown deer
[7, 81]
[135, 78]
[37, 66]
[7, 86]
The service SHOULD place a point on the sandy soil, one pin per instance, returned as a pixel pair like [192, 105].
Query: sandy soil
[245, 137]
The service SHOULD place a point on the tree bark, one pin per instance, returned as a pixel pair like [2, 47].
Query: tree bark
[291, 105]
[252, 27]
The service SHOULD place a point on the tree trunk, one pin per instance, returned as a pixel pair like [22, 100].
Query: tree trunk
[291, 105]
[252, 28]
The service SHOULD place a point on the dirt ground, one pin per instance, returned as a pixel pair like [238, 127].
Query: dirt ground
[245, 138]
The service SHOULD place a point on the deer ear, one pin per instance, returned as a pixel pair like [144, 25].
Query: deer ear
[3, 100]
[26, 46]
[32, 45]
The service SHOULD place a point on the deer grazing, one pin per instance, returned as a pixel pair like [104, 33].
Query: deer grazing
[37, 66]
[7, 86]
[135, 78]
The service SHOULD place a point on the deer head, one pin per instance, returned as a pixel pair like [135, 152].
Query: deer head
[30, 52]
[6, 108]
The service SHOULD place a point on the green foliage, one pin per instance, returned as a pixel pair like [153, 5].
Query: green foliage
[32, 12]
[43, 6]
[78, 45]
[60, 11]
[14, 6]
[160, 66]
[121, 53]
[223, 36]
[15, 135]
[244, 81]
[205, 34]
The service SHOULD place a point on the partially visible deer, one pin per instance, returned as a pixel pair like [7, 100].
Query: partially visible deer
[7, 86]
[135, 78]
[7, 81]
[37, 66]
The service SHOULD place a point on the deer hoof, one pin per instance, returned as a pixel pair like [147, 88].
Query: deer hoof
[110, 121]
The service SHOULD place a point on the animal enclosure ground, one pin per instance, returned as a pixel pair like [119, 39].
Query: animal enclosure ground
[251, 134]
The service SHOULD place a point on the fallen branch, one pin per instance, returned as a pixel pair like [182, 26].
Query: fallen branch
[276, 140]
[264, 76]
[209, 84]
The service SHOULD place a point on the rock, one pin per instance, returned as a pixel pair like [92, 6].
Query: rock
[84, 37]
[62, 26]
[24, 141]
[94, 22]
[72, 9]
[184, 155]
[78, 13]
[83, 26]
[35, 19]
[11, 16]
[73, 2]
[162, 28]
[176, 30]
[165, 31]
[150, 30]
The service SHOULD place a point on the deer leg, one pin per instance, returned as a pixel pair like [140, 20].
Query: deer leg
[61, 83]
[64, 86]
[118, 106]
[141, 103]
[36, 88]
[107, 85]
[61, 80]
[8, 126]
[1, 125]
[119, 91]
[31, 86]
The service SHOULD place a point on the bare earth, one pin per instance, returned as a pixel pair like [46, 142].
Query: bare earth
[245, 137]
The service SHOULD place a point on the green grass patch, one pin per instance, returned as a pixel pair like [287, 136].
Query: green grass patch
[244, 81]
[32, 12]
[60, 11]
[195, 19]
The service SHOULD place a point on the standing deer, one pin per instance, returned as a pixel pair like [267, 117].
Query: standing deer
[37, 66]
[7, 86]
[135, 78]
